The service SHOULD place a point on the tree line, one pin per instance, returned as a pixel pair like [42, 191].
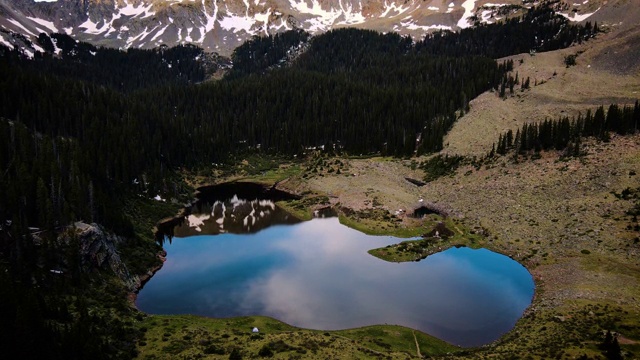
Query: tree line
[566, 134]
[378, 103]
[122, 70]
[539, 29]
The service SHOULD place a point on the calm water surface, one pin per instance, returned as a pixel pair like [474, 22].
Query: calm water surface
[318, 274]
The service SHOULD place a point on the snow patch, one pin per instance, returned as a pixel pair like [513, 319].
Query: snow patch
[237, 23]
[211, 19]
[264, 18]
[351, 17]
[468, 6]
[140, 36]
[283, 24]
[56, 50]
[411, 25]
[577, 18]
[325, 17]
[449, 10]
[159, 33]
[112, 30]
[392, 7]
[4, 42]
[486, 16]
[48, 24]
[322, 20]
[92, 28]
[40, 31]
[17, 23]
[130, 10]
[28, 52]
[38, 48]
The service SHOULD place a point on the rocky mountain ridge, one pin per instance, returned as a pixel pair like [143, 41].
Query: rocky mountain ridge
[222, 25]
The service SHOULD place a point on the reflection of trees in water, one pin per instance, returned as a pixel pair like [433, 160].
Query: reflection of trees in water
[211, 215]
[224, 208]
[237, 216]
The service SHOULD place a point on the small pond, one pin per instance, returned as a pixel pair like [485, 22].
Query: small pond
[317, 274]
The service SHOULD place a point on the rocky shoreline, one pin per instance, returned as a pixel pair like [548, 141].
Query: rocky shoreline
[144, 278]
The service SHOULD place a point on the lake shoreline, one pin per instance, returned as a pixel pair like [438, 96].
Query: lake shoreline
[144, 278]
[366, 247]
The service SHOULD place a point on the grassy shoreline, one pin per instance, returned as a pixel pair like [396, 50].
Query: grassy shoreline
[166, 336]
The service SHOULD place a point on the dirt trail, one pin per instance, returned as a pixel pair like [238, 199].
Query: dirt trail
[417, 346]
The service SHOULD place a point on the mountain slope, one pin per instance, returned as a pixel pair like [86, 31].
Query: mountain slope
[607, 71]
[222, 25]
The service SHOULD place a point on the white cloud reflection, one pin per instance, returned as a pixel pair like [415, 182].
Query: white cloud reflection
[318, 274]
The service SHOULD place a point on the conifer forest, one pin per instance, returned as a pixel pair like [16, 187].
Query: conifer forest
[84, 131]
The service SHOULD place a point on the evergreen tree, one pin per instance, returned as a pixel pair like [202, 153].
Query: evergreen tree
[610, 347]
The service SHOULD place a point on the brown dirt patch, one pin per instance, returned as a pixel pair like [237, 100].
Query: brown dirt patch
[369, 183]
[625, 341]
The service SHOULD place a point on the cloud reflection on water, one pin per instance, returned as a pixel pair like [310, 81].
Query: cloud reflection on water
[317, 274]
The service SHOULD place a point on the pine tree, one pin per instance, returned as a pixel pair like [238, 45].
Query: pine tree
[501, 150]
[610, 347]
[576, 147]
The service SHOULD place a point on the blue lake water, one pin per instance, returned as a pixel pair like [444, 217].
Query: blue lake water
[317, 274]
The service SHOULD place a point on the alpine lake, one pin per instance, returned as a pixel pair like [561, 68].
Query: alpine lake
[237, 253]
